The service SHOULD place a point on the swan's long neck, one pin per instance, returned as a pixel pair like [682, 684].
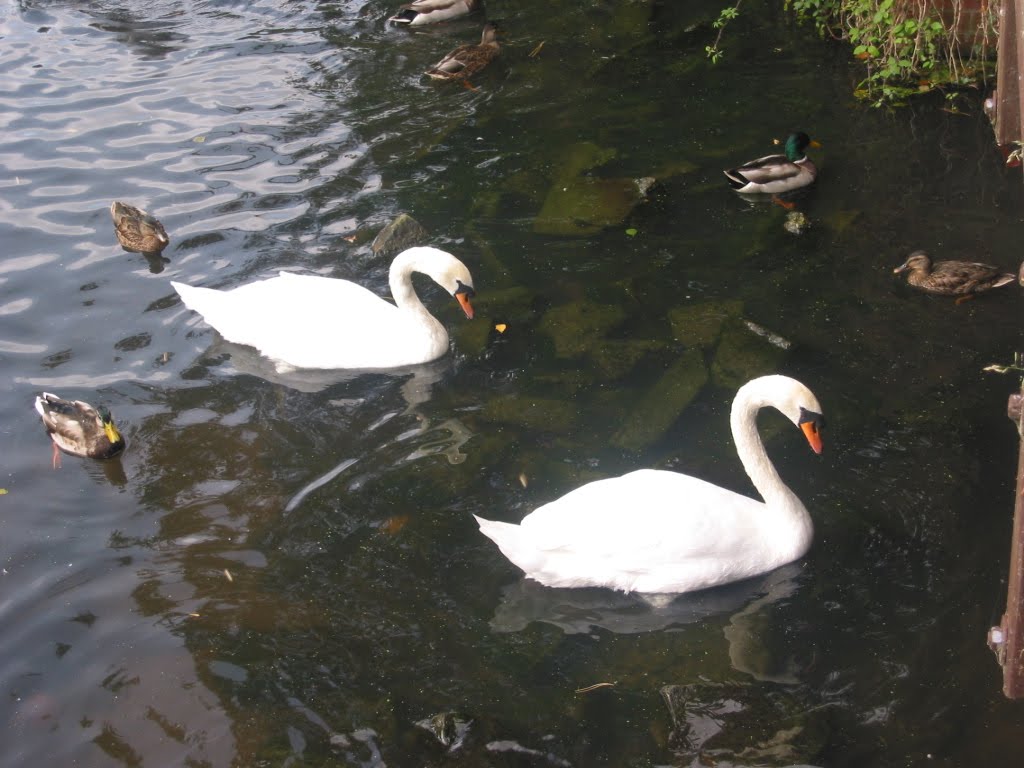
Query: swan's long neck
[782, 505]
[400, 279]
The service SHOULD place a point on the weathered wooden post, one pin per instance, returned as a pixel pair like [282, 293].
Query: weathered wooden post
[1008, 100]
[1007, 640]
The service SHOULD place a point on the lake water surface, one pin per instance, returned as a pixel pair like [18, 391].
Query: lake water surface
[285, 570]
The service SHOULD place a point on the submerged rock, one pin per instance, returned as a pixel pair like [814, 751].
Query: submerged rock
[742, 355]
[661, 405]
[449, 728]
[575, 328]
[700, 324]
[404, 232]
[535, 413]
[581, 204]
[796, 223]
[731, 724]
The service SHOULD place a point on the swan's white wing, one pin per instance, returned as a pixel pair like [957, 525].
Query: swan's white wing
[307, 321]
[643, 512]
[648, 531]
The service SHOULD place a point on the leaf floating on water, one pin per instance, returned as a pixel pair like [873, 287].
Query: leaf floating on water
[500, 327]
[631, 232]
[227, 573]
[534, 53]
[394, 524]
[3, 491]
[594, 687]
[199, 139]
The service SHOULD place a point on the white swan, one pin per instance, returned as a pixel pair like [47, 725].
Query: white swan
[306, 321]
[663, 532]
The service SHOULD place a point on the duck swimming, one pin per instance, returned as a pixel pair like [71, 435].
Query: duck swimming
[662, 532]
[775, 174]
[307, 321]
[79, 429]
[952, 278]
[136, 230]
[466, 60]
[431, 11]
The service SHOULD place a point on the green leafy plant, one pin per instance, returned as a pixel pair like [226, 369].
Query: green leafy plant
[906, 45]
[727, 14]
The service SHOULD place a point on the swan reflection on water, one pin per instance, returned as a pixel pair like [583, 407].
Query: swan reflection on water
[584, 610]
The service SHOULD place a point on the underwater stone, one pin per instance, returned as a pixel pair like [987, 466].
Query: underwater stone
[661, 405]
[584, 206]
[617, 358]
[400, 234]
[742, 355]
[577, 204]
[700, 325]
[536, 413]
[578, 327]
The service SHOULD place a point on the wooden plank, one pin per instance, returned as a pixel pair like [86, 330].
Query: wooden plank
[1009, 96]
[1007, 640]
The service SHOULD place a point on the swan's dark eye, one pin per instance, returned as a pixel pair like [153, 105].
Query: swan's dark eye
[811, 417]
[466, 289]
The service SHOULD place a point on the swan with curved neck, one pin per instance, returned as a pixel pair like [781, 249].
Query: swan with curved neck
[663, 532]
[308, 321]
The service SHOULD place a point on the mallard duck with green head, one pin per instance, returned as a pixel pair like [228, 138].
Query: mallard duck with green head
[79, 429]
[431, 11]
[775, 174]
[136, 230]
[466, 60]
[952, 278]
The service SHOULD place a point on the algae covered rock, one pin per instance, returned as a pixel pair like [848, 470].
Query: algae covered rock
[659, 407]
[535, 413]
[700, 324]
[581, 204]
[404, 232]
[615, 358]
[575, 328]
[742, 355]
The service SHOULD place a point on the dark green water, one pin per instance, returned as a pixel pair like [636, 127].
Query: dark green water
[198, 602]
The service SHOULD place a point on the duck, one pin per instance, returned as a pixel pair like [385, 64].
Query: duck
[136, 230]
[952, 278]
[79, 429]
[313, 322]
[776, 174]
[662, 532]
[432, 11]
[466, 60]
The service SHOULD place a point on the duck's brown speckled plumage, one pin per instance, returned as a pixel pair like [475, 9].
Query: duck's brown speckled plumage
[952, 278]
[136, 230]
[79, 429]
[466, 60]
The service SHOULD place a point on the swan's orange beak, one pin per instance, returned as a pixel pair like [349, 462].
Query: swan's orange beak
[463, 299]
[810, 430]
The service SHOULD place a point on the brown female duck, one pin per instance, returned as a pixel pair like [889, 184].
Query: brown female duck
[952, 278]
[136, 230]
[466, 60]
